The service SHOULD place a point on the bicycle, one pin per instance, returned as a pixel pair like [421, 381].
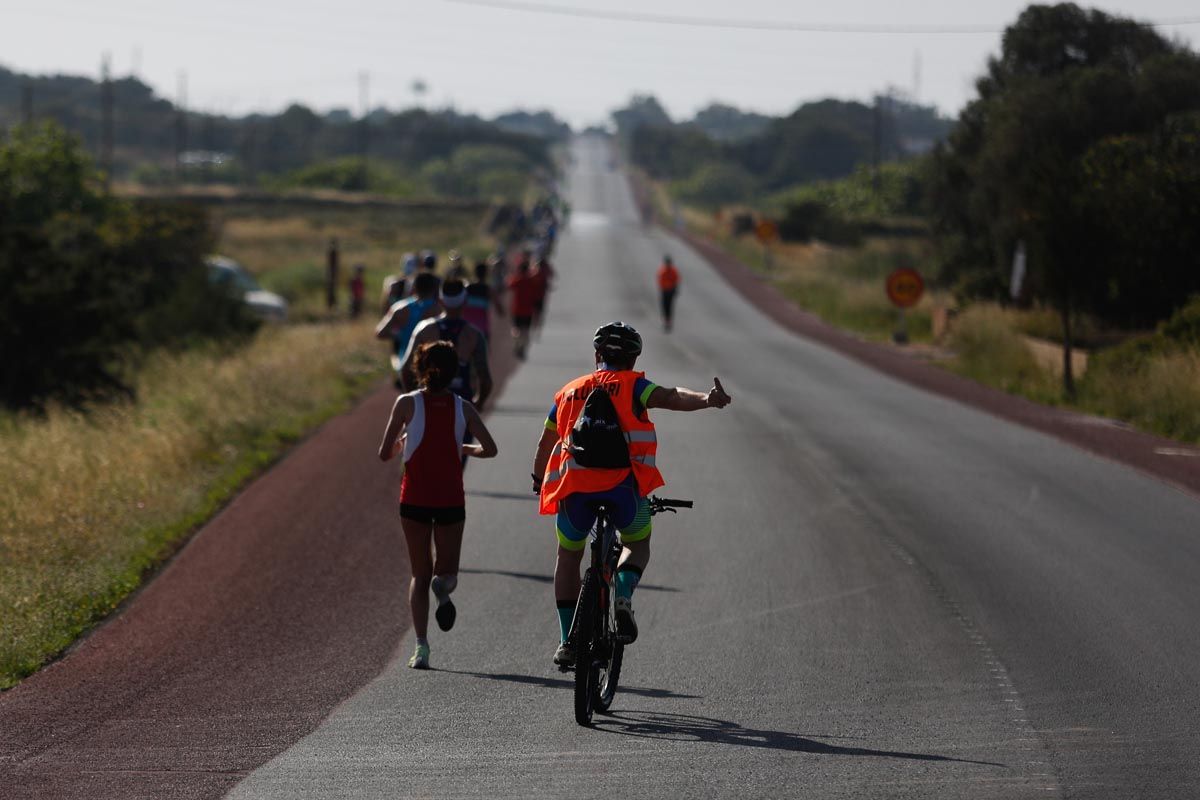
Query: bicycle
[598, 651]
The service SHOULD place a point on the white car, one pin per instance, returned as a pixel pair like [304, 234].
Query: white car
[224, 271]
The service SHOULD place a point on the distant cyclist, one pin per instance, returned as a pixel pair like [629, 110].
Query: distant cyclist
[427, 426]
[404, 315]
[571, 479]
[668, 286]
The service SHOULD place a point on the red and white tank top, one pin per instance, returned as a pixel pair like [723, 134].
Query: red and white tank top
[433, 475]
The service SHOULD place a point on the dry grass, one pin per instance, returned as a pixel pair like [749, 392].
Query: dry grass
[1160, 395]
[989, 350]
[845, 285]
[286, 249]
[91, 502]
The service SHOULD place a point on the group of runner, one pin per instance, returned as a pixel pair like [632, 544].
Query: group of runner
[439, 329]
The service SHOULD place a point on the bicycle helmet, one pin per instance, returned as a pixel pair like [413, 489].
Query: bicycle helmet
[618, 339]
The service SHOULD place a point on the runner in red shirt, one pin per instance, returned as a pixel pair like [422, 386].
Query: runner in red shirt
[523, 291]
[427, 428]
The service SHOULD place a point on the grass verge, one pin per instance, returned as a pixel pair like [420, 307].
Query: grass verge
[94, 502]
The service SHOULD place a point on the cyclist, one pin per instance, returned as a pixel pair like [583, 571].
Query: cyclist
[427, 426]
[668, 285]
[403, 317]
[570, 490]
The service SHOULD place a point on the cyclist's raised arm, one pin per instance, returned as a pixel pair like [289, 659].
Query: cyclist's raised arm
[402, 412]
[681, 399]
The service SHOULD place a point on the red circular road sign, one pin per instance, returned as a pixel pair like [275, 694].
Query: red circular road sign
[905, 287]
[766, 231]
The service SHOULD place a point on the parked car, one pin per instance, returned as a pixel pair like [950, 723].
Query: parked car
[226, 272]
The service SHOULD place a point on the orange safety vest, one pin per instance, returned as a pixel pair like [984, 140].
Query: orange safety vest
[565, 476]
[668, 277]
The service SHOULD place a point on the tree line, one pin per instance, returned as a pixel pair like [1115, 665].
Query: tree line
[1082, 144]
[723, 155]
[150, 133]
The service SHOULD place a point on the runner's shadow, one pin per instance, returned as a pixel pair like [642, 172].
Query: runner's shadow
[530, 576]
[568, 683]
[689, 728]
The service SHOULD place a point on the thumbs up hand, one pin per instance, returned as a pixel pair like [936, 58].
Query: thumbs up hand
[717, 397]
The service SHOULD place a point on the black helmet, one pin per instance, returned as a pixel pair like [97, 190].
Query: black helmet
[618, 339]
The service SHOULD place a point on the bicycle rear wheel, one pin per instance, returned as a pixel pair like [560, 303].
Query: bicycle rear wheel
[587, 668]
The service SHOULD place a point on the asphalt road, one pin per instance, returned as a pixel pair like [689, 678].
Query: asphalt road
[880, 593]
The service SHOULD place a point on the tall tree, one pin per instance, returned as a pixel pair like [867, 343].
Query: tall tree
[1013, 169]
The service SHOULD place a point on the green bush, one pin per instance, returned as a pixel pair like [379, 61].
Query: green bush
[90, 280]
[806, 220]
[714, 184]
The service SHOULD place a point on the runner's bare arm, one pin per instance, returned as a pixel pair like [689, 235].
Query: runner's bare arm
[402, 411]
[479, 362]
[386, 328]
[486, 446]
[680, 399]
[408, 372]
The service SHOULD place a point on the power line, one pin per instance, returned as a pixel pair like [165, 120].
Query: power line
[765, 25]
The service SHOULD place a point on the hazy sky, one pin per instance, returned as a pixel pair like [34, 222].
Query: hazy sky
[243, 55]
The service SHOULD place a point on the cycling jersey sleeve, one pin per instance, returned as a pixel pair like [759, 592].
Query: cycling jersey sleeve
[642, 389]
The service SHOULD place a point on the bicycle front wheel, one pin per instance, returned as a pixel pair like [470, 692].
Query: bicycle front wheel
[609, 676]
[587, 629]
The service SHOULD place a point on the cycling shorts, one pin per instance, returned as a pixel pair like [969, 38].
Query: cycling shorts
[630, 513]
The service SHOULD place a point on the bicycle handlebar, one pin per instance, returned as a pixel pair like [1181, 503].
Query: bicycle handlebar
[660, 504]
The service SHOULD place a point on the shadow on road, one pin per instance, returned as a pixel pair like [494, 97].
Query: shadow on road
[530, 576]
[568, 683]
[689, 728]
[524, 498]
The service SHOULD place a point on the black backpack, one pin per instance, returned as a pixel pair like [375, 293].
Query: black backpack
[597, 440]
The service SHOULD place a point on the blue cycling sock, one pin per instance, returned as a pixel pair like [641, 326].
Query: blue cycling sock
[565, 615]
[628, 577]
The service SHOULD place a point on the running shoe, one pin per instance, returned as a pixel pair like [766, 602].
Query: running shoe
[446, 612]
[564, 656]
[626, 627]
[420, 658]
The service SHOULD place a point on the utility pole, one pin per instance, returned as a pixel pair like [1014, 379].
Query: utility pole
[876, 144]
[106, 119]
[180, 125]
[27, 101]
[916, 90]
[364, 85]
[249, 153]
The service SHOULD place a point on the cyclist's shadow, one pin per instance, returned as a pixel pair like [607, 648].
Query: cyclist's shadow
[689, 728]
[567, 683]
